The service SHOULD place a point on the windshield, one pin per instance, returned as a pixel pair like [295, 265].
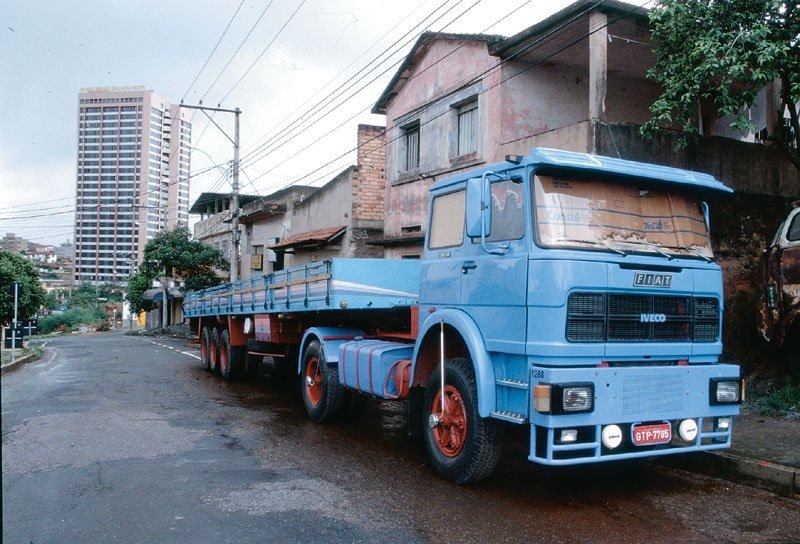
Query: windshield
[619, 217]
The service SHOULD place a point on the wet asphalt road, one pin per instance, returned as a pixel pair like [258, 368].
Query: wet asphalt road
[112, 438]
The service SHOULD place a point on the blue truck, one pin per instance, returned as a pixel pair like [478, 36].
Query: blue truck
[571, 294]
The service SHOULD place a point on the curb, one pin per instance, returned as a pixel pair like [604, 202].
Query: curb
[779, 479]
[10, 367]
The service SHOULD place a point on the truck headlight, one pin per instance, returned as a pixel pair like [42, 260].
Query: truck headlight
[724, 391]
[572, 398]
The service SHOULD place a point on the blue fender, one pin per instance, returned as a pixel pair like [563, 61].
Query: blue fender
[330, 338]
[481, 361]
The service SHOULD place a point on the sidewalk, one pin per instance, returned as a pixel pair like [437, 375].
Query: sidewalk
[764, 453]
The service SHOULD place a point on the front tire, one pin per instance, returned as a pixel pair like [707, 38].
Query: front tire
[463, 447]
[322, 393]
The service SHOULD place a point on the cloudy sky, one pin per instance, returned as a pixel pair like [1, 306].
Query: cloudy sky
[280, 61]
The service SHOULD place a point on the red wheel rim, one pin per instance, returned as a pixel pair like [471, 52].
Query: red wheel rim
[204, 350]
[313, 381]
[450, 434]
[223, 359]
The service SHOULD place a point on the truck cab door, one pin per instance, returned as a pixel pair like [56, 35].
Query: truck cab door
[494, 273]
[440, 272]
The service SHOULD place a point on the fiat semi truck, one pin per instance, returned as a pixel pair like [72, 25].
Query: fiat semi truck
[574, 295]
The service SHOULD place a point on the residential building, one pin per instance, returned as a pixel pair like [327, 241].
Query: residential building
[132, 178]
[13, 243]
[214, 226]
[575, 81]
[301, 223]
[344, 217]
[266, 222]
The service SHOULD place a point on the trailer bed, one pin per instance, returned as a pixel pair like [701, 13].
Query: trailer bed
[335, 284]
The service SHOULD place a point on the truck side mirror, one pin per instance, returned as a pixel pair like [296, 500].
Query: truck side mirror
[706, 217]
[479, 208]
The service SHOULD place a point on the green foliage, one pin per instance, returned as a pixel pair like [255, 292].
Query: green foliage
[84, 297]
[781, 402]
[137, 285]
[175, 254]
[724, 52]
[71, 319]
[16, 268]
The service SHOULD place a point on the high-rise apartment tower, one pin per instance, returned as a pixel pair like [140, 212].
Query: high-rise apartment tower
[132, 178]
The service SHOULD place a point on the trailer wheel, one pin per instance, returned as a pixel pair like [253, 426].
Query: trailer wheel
[225, 356]
[322, 393]
[205, 349]
[463, 447]
[213, 352]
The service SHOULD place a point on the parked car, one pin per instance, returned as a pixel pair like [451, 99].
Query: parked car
[779, 303]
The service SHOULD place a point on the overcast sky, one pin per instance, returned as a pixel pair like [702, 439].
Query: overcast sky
[298, 54]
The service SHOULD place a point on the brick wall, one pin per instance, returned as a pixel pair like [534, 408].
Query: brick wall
[369, 178]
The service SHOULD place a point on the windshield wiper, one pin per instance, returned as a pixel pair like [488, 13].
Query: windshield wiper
[651, 245]
[706, 258]
[604, 244]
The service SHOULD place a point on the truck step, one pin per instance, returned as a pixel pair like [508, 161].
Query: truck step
[506, 415]
[516, 384]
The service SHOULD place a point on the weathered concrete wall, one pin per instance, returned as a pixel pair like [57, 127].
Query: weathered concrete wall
[741, 228]
[746, 167]
[428, 97]
[541, 99]
[570, 138]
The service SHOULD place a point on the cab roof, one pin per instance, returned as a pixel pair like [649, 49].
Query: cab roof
[545, 159]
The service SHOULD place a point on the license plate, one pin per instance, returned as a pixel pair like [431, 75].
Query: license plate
[646, 435]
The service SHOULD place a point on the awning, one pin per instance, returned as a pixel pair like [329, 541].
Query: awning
[310, 239]
[156, 295]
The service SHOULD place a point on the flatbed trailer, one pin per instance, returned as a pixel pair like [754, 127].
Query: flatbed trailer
[572, 294]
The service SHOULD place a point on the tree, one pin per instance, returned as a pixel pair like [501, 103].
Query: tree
[16, 268]
[725, 51]
[176, 255]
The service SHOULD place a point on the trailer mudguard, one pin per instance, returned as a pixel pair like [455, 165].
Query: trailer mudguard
[330, 339]
[481, 360]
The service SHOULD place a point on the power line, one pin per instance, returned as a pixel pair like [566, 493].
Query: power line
[340, 74]
[537, 42]
[252, 28]
[275, 143]
[212, 51]
[258, 58]
[328, 98]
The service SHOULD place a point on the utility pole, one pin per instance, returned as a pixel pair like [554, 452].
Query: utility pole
[234, 269]
[235, 201]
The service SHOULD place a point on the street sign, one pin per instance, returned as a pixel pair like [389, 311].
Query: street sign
[13, 338]
[16, 289]
[30, 327]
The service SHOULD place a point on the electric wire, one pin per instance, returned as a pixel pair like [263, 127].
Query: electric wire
[514, 56]
[306, 117]
[196, 77]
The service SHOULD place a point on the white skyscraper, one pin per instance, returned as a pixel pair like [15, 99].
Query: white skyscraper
[132, 178]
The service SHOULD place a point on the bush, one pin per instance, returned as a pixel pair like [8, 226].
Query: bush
[70, 319]
[781, 402]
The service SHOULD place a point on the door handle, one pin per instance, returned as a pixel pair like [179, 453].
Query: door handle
[468, 265]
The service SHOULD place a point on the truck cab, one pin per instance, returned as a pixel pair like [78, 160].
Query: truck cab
[779, 300]
[583, 292]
